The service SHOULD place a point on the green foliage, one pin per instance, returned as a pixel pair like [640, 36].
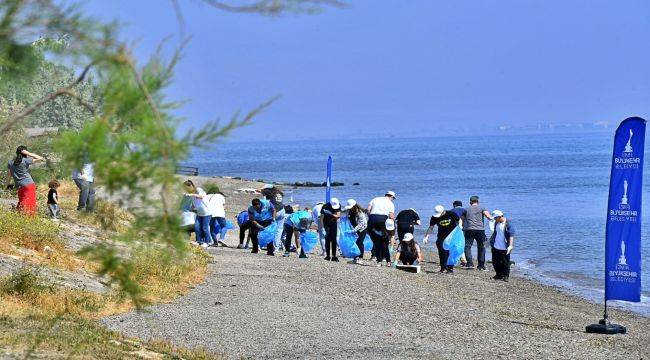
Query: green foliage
[33, 233]
[211, 188]
[23, 281]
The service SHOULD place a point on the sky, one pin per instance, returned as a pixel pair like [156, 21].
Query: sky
[396, 68]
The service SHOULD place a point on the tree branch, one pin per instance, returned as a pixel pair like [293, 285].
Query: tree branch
[274, 7]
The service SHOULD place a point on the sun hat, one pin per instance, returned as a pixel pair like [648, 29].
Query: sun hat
[497, 213]
[336, 204]
[390, 224]
[408, 237]
[351, 204]
[438, 210]
[390, 193]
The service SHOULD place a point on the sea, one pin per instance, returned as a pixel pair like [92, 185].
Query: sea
[552, 187]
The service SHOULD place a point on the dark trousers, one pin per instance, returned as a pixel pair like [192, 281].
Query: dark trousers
[361, 236]
[501, 263]
[479, 236]
[255, 230]
[287, 236]
[330, 239]
[443, 255]
[407, 260]
[86, 194]
[402, 230]
[376, 222]
[242, 231]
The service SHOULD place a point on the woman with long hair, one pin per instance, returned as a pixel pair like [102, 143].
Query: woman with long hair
[408, 251]
[359, 219]
[203, 216]
[22, 179]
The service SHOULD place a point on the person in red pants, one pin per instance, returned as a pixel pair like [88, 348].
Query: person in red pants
[22, 179]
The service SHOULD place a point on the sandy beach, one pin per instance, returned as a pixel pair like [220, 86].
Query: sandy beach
[257, 306]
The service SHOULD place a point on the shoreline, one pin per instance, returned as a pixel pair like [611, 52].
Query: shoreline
[531, 273]
[257, 306]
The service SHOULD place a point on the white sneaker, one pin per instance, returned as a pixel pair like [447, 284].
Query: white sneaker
[204, 245]
[359, 262]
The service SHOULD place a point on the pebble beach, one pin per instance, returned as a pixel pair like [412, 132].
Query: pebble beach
[258, 306]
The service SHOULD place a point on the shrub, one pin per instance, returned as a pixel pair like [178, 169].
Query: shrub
[23, 281]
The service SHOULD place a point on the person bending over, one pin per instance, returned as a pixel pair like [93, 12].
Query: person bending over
[408, 251]
[296, 224]
[261, 214]
[446, 222]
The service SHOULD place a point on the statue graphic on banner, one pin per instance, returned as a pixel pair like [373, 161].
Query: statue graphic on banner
[622, 260]
[628, 146]
[624, 199]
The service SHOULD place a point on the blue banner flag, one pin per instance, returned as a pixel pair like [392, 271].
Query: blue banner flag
[623, 231]
[328, 180]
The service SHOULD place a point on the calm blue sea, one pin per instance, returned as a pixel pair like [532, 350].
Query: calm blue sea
[553, 186]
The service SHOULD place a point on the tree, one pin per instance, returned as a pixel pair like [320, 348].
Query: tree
[132, 138]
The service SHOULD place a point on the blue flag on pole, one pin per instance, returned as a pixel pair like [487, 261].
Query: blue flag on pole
[623, 231]
[328, 180]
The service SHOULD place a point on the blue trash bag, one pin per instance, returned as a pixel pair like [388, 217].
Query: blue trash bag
[348, 240]
[229, 225]
[308, 241]
[267, 235]
[367, 243]
[455, 243]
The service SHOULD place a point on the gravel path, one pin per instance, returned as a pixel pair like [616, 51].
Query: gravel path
[256, 306]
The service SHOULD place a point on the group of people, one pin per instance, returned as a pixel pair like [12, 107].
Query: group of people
[20, 179]
[386, 230]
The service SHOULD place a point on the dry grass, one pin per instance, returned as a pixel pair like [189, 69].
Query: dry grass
[58, 322]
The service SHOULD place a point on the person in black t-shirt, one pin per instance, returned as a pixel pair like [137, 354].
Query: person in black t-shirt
[329, 219]
[406, 221]
[446, 222]
[53, 199]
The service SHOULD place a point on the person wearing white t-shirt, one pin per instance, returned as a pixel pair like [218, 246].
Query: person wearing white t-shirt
[216, 204]
[380, 209]
[203, 216]
[502, 242]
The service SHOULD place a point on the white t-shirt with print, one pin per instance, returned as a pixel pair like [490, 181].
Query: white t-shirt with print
[381, 206]
[216, 204]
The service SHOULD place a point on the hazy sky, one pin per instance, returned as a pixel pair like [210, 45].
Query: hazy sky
[404, 67]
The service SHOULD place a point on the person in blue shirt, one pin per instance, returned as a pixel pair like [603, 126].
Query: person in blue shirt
[244, 225]
[297, 223]
[261, 214]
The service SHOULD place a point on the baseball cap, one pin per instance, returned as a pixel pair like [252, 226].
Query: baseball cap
[390, 224]
[351, 204]
[336, 204]
[390, 193]
[497, 213]
[438, 210]
[408, 237]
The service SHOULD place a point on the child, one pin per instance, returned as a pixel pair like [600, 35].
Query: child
[53, 199]
[408, 251]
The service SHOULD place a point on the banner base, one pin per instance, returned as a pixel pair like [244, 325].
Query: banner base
[605, 327]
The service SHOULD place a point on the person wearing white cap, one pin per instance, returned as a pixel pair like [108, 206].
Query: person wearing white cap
[408, 251]
[502, 242]
[329, 220]
[446, 222]
[380, 209]
[315, 213]
[358, 219]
